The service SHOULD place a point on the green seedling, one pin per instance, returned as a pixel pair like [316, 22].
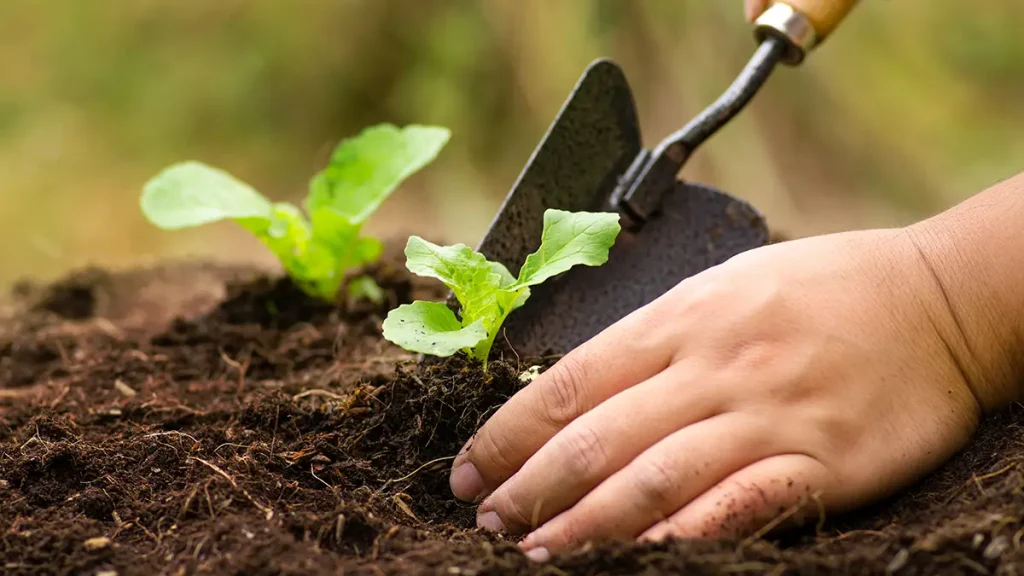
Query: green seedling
[487, 292]
[318, 251]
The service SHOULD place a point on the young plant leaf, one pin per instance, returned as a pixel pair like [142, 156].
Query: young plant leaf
[192, 193]
[365, 287]
[464, 271]
[318, 252]
[570, 239]
[487, 291]
[431, 328]
[366, 169]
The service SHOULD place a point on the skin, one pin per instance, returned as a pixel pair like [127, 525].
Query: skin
[794, 380]
[800, 378]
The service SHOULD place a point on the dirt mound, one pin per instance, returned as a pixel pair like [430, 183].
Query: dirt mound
[192, 419]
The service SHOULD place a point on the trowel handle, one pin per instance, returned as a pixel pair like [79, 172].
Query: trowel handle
[824, 15]
[803, 23]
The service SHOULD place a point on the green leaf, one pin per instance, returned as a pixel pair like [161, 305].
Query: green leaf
[311, 264]
[570, 239]
[487, 292]
[431, 328]
[192, 193]
[366, 287]
[464, 271]
[365, 170]
[506, 277]
[367, 250]
[284, 230]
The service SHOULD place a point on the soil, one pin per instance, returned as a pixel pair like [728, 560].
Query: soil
[196, 419]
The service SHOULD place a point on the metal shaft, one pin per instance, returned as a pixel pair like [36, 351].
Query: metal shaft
[746, 85]
[653, 173]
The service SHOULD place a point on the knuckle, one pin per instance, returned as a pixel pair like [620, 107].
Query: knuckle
[563, 395]
[585, 452]
[569, 533]
[736, 511]
[493, 456]
[659, 484]
[516, 514]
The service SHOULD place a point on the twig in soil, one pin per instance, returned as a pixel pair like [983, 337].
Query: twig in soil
[273, 437]
[217, 469]
[821, 514]
[1003, 523]
[976, 480]
[845, 535]
[963, 561]
[393, 359]
[209, 501]
[241, 367]
[1016, 539]
[60, 397]
[519, 361]
[319, 478]
[777, 521]
[414, 472]
[242, 446]
[138, 522]
[319, 392]
[171, 433]
[339, 529]
[268, 512]
[188, 500]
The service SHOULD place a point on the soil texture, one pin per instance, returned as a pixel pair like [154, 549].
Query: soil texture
[196, 419]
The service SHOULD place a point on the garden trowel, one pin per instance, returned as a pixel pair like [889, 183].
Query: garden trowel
[592, 159]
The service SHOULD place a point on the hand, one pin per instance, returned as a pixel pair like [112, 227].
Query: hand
[812, 375]
[753, 8]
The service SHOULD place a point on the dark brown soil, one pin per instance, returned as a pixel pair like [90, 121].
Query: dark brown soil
[201, 420]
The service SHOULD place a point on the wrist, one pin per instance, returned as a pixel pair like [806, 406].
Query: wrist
[974, 254]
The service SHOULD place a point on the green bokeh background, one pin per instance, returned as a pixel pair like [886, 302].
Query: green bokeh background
[910, 107]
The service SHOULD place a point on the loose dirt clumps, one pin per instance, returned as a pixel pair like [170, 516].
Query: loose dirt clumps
[195, 419]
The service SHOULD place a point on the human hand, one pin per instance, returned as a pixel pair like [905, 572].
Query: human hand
[753, 8]
[828, 371]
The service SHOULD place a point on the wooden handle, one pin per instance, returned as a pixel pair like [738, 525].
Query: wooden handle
[824, 15]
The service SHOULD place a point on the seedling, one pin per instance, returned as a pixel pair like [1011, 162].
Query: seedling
[487, 292]
[315, 252]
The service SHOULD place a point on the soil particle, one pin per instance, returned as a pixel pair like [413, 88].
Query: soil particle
[266, 433]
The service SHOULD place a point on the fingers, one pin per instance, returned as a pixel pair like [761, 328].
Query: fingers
[596, 445]
[775, 492]
[754, 8]
[660, 481]
[628, 352]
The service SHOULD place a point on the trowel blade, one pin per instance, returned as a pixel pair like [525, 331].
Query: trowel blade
[698, 227]
[590, 144]
[586, 151]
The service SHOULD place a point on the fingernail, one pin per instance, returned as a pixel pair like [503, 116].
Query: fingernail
[490, 521]
[466, 482]
[539, 554]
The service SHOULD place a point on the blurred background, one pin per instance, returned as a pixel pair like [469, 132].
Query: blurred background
[910, 107]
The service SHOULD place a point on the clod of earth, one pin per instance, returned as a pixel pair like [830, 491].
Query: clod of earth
[270, 433]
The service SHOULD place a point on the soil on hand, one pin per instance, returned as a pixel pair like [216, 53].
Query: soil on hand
[196, 419]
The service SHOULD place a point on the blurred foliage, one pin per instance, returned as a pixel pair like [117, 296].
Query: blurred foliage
[911, 106]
